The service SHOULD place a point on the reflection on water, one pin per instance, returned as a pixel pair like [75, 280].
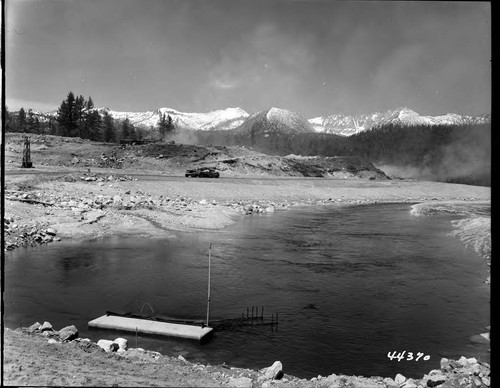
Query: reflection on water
[350, 285]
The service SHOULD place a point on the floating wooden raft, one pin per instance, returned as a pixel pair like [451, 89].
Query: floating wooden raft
[148, 326]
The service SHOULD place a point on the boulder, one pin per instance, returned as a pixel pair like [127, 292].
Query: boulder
[34, 327]
[107, 345]
[399, 379]
[462, 361]
[52, 341]
[390, 383]
[46, 326]
[68, 333]
[435, 379]
[274, 372]
[122, 343]
[50, 231]
[410, 383]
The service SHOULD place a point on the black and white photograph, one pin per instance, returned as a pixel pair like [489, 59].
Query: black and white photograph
[246, 193]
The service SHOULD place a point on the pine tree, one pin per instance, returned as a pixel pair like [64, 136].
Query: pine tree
[10, 124]
[125, 129]
[91, 121]
[162, 126]
[165, 126]
[108, 128]
[67, 118]
[170, 125]
[132, 134]
[30, 122]
[80, 108]
[21, 120]
[52, 127]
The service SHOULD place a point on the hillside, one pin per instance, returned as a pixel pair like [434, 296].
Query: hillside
[174, 159]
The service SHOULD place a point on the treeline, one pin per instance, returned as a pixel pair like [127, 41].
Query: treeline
[451, 153]
[77, 117]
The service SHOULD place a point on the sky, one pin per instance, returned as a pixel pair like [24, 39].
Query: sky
[314, 57]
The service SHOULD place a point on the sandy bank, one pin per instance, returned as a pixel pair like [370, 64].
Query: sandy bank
[82, 205]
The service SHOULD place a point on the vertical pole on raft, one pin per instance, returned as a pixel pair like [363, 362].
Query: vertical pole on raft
[208, 299]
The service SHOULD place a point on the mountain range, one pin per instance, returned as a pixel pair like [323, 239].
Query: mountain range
[282, 120]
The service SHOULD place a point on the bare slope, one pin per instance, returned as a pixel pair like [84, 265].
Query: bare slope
[175, 159]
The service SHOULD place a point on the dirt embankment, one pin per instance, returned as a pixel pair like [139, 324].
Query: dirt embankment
[40, 358]
[173, 159]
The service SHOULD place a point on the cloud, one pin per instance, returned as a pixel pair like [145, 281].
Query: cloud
[265, 67]
[14, 104]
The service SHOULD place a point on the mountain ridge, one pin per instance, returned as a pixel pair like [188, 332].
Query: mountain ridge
[234, 117]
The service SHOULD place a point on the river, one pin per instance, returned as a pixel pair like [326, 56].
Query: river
[350, 285]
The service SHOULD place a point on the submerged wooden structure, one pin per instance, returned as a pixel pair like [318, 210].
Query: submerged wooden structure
[182, 328]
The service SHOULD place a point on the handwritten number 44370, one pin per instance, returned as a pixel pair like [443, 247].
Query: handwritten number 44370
[409, 356]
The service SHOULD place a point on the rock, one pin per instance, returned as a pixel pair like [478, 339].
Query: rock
[471, 361]
[399, 379]
[68, 333]
[93, 216]
[390, 383]
[486, 381]
[181, 358]
[52, 341]
[248, 209]
[240, 382]
[34, 327]
[435, 379]
[274, 372]
[270, 209]
[122, 343]
[46, 326]
[50, 231]
[107, 345]
[203, 202]
[410, 383]
[117, 198]
[462, 361]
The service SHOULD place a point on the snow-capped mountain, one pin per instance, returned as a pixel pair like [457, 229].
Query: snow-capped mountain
[272, 121]
[223, 119]
[347, 125]
[280, 119]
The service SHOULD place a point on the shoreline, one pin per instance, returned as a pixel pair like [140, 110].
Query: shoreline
[92, 205]
[42, 356]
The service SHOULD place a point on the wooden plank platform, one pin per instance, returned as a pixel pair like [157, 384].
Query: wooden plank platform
[150, 327]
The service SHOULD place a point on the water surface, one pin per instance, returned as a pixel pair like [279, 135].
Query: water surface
[349, 284]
